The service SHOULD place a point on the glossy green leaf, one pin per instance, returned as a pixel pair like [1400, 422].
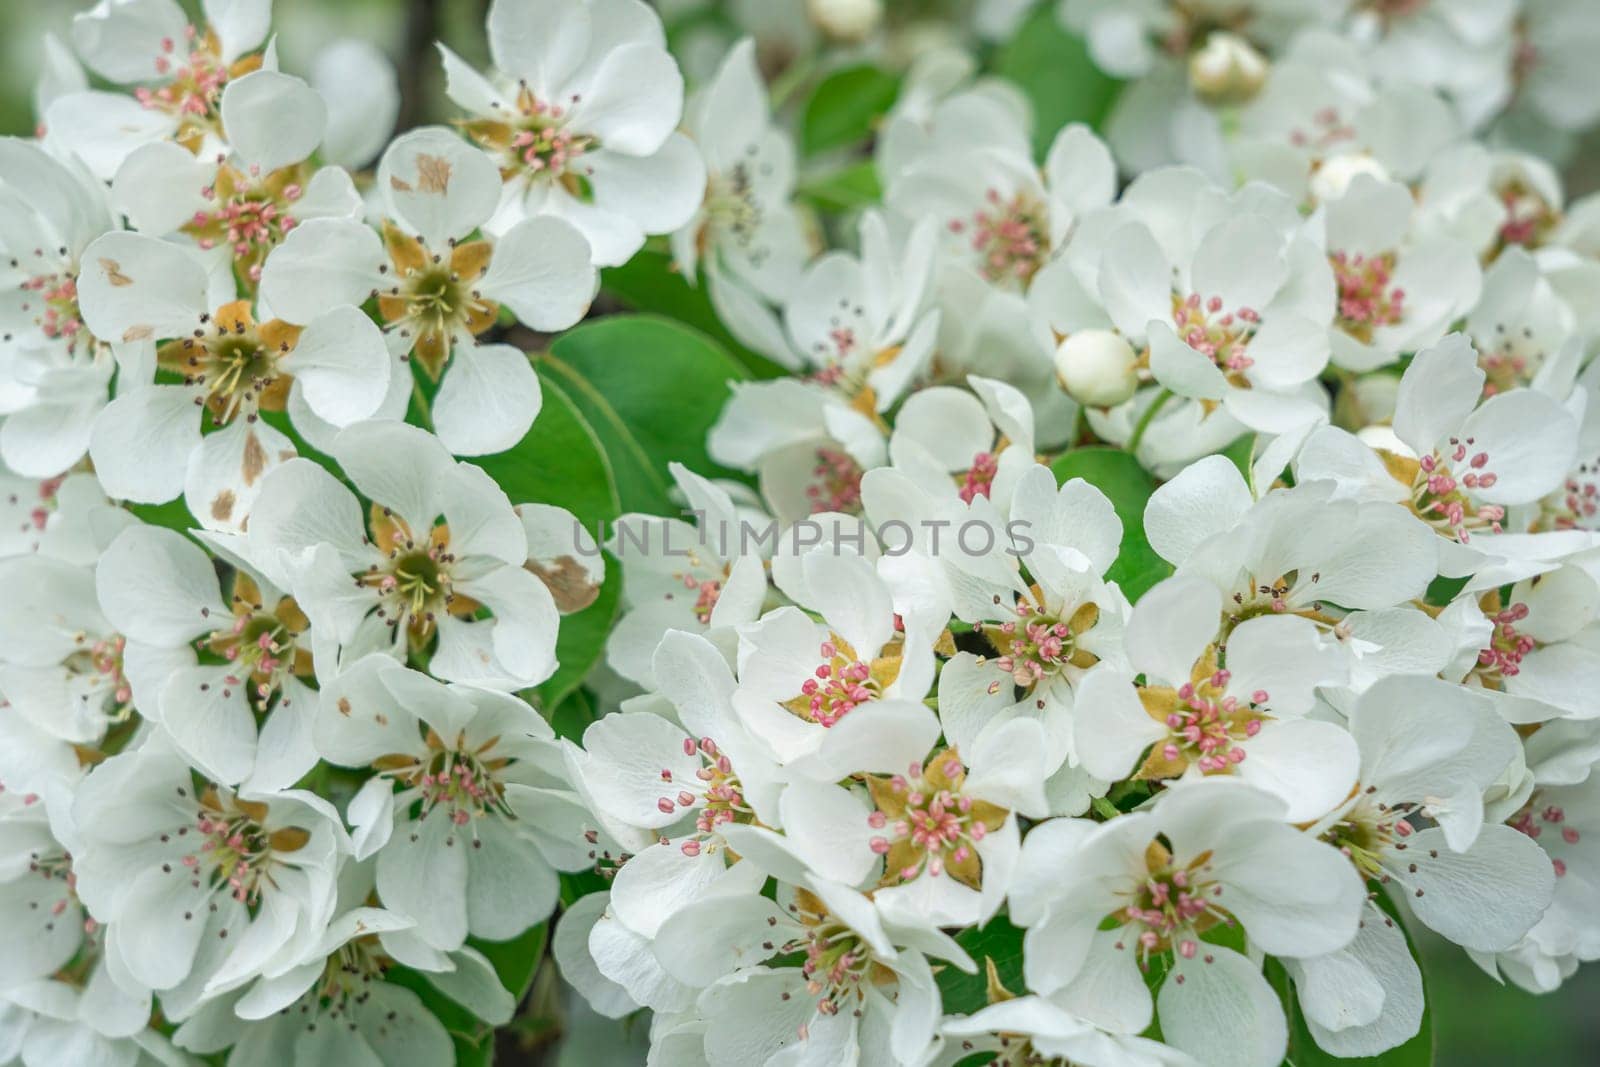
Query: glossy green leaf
[846, 108]
[650, 282]
[174, 514]
[561, 461]
[1053, 69]
[997, 940]
[572, 716]
[651, 389]
[1120, 477]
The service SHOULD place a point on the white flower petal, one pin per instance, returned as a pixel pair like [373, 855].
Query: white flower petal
[487, 401]
[272, 120]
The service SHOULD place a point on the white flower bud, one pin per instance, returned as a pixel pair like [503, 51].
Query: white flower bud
[1097, 368]
[1332, 179]
[849, 21]
[1227, 70]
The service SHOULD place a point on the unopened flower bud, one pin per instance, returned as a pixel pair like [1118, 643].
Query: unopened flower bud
[847, 21]
[1332, 179]
[1097, 368]
[1227, 70]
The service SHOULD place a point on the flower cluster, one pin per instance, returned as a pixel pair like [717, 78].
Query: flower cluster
[1063, 598]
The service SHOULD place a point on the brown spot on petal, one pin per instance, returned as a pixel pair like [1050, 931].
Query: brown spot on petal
[255, 459]
[568, 582]
[399, 184]
[222, 506]
[344, 706]
[138, 333]
[433, 173]
[114, 273]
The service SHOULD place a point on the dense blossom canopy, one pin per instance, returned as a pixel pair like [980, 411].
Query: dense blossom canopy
[1037, 534]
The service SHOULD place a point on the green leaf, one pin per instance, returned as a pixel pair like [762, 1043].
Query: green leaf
[174, 515]
[650, 388]
[572, 716]
[846, 189]
[581, 884]
[651, 282]
[582, 640]
[846, 107]
[1441, 591]
[997, 940]
[1120, 477]
[1053, 69]
[561, 461]
[515, 961]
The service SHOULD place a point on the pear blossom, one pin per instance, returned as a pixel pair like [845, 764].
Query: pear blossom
[1197, 717]
[1320, 121]
[54, 373]
[1407, 42]
[201, 888]
[831, 698]
[145, 446]
[865, 325]
[973, 444]
[1549, 86]
[832, 1004]
[1046, 636]
[675, 818]
[65, 667]
[160, 591]
[1395, 294]
[1002, 216]
[702, 578]
[1126, 42]
[1457, 464]
[808, 443]
[1030, 1026]
[1292, 551]
[241, 203]
[580, 115]
[441, 542]
[180, 72]
[59, 995]
[748, 237]
[339, 994]
[1536, 659]
[1233, 313]
[1101, 901]
[1417, 820]
[58, 516]
[891, 741]
[437, 290]
[466, 819]
[1519, 324]
[1557, 816]
[947, 827]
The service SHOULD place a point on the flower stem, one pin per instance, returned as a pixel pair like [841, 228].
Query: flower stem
[1146, 419]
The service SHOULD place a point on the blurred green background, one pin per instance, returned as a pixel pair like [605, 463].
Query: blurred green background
[1478, 1022]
